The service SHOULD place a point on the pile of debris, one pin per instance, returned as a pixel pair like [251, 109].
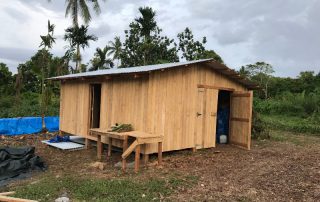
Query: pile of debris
[17, 162]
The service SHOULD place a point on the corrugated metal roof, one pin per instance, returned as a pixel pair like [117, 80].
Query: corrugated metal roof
[141, 69]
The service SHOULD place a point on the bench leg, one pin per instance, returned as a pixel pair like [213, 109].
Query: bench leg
[145, 159]
[99, 147]
[87, 143]
[137, 159]
[109, 147]
[124, 148]
[159, 153]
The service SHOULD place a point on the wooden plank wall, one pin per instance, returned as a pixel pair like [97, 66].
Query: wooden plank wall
[165, 102]
[74, 108]
[124, 100]
[171, 108]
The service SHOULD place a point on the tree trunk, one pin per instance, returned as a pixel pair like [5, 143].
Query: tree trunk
[78, 60]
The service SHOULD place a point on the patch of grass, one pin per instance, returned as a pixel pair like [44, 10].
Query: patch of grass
[293, 124]
[49, 188]
[294, 138]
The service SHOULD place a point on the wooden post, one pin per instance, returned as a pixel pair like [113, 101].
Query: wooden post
[87, 143]
[137, 159]
[99, 147]
[145, 159]
[124, 148]
[159, 153]
[194, 149]
[109, 146]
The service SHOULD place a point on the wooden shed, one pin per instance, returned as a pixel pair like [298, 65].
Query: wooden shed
[180, 101]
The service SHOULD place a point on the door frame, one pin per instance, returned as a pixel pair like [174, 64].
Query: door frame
[90, 109]
[205, 87]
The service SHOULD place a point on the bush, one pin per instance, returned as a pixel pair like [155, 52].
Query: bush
[28, 105]
[299, 104]
[260, 129]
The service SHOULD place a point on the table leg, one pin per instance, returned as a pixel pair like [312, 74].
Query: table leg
[145, 159]
[137, 159]
[124, 148]
[87, 143]
[99, 147]
[159, 153]
[109, 146]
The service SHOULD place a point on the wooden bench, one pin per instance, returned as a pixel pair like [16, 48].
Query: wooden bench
[139, 137]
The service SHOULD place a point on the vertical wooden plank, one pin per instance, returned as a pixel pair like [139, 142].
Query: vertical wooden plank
[124, 148]
[99, 147]
[109, 146]
[159, 153]
[199, 118]
[137, 159]
[250, 119]
[210, 118]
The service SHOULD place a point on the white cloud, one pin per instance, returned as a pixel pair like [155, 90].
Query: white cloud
[284, 33]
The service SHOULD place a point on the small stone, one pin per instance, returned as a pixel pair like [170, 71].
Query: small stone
[62, 199]
[202, 185]
[143, 195]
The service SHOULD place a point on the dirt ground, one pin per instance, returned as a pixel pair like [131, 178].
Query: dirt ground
[286, 168]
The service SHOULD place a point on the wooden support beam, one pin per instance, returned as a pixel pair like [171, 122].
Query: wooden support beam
[130, 149]
[87, 143]
[159, 153]
[99, 147]
[145, 158]
[214, 87]
[240, 95]
[137, 159]
[109, 146]
[124, 148]
[240, 119]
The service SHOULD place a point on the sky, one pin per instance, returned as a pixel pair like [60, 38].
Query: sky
[283, 33]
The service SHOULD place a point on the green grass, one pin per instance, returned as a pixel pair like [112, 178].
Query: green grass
[293, 124]
[298, 139]
[49, 188]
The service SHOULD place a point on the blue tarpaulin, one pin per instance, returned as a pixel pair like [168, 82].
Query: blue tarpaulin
[27, 125]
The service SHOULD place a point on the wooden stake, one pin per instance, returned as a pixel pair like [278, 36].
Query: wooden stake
[109, 147]
[137, 159]
[145, 158]
[124, 148]
[87, 143]
[159, 153]
[99, 147]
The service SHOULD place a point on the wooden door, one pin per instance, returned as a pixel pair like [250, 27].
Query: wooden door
[206, 118]
[240, 119]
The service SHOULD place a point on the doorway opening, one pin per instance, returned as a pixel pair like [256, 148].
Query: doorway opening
[95, 105]
[223, 114]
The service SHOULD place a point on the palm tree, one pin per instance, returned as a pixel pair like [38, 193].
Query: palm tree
[78, 37]
[46, 43]
[147, 21]
[146, 24]
[115, 49]
[76, 8]
[100, 60]
[80, 7]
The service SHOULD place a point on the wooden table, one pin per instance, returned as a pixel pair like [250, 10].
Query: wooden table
[140, 138]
